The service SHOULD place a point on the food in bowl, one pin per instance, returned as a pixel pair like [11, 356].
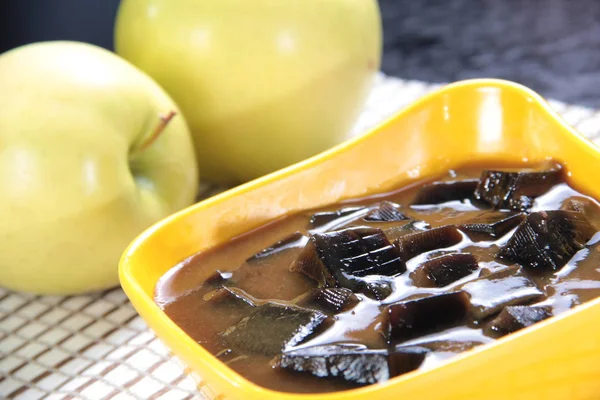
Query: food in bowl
[359, 292]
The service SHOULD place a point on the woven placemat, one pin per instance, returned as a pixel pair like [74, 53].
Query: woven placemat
[96, 346]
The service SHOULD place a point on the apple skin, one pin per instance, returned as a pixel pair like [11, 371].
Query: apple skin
[262, 83]
[73, 189]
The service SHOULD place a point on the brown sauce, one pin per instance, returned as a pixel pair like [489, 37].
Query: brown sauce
[207, 313]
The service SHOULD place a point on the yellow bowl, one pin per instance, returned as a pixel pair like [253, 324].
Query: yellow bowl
[477, 120]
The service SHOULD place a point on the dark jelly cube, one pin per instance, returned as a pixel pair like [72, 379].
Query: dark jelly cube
[414, 244]
[547, 240]
[294, 240]
[341, 216]
[230, 296]
[331, 299]
[377, 289]
[386, 212]
[404, 359]
[310, 264]
[441, 192]
[349, 258]
[515, 190]
[580, 204]
[351, 363]
[409, 319]
[272, 328]
[493, 229]
[491, 293]
[583, 205]
[444, 270]
[513, 318]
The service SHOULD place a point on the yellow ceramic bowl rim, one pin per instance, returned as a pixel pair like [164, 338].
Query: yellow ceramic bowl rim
[146, 305]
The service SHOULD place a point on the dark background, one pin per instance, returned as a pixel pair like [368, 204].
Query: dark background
[553, 46]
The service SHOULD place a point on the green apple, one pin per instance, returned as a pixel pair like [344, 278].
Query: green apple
[262, 83]
[89, 159]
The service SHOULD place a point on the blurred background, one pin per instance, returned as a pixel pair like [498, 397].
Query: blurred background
[552, 46]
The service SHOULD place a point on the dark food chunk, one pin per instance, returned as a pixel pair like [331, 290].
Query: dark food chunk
[230, 296]
[547, 240]
[442, 271]
[377, 289]
[331, 299]
[218, 278]
[513, 318]
[272, 328]
[344, 214]
[310, 264]
[441, 192]
[515, 190]
[351, 258]
[577, 203]
[583, 205]
[352, 363]
[503, 288]
[416, 243]
[386, 212]
[409, 319]
[294, 240]
[495, 229]
[406, 359]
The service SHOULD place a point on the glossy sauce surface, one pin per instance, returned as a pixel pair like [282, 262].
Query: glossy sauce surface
[190, 302]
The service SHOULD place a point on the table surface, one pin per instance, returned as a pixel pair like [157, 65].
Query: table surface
[551, 46]
[96, 346]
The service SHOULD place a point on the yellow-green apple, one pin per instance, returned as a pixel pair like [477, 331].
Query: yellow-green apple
[262, 83]
[88, 160]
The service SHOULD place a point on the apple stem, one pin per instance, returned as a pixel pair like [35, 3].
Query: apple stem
[164, 120]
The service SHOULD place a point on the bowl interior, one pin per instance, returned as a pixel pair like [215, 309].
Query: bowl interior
[481, 120]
